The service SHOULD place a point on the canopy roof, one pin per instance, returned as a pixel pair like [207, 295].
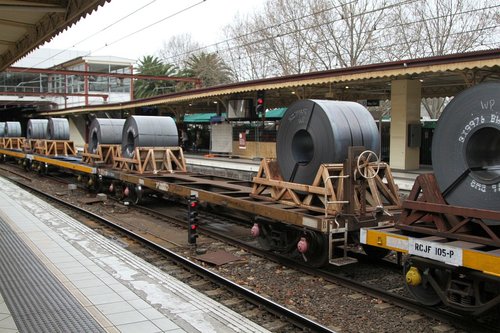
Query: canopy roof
[26, 25]
[199, 118]
[441, 76]
[275, 113]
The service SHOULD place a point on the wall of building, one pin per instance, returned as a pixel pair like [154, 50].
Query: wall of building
[255, 149]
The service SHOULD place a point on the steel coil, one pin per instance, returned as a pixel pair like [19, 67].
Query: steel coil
[105, 131]
[148, 131]
[2, 129]
[313, 132]
[58, 129]
[37, 129]
[466, 148]
[12, 129]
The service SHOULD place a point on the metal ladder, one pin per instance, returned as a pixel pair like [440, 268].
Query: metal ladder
[334, 225]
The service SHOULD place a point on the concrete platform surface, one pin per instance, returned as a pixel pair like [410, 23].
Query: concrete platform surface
[122, 292]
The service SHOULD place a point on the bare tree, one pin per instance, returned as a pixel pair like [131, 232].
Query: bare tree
[271, 42]
[297, 36]
[438, 27]
[178, 49]
[346, 30]
[434, 106]
[283, 39]
[243, 51]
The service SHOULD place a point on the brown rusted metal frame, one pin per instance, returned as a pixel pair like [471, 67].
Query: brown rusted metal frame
[55, 148]
[227, 195]
[103, 156]
[151, 160]
[426, 211]
[363, 195]
[12, 143]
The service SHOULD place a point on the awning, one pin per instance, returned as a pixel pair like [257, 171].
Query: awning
[275, 113]
[199, 118]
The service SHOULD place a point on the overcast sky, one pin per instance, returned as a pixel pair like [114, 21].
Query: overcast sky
[204, 21]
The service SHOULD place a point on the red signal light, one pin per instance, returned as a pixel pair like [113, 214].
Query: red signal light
[260, 101]
[193, 226]
[193, 204]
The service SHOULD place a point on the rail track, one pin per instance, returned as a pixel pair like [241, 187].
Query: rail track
[355, 277]
[271, 315]
[350, 276]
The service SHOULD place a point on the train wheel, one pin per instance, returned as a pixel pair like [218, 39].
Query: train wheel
[375, 252]
[134, 194]
[118, 191]
[94, 184]
[41, 169]
[418, 282]
[27, 165]
[317, 249]
[264, 238]
[285, 241]
[277, 237]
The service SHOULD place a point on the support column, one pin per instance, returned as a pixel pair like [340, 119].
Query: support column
[77, 130]
[405, 109]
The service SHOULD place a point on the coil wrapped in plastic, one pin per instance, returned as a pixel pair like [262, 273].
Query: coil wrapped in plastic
[313, 132]
[466, 148]
[37, 129]
[12, 129]
[148, 131]
[2, 129]
[58, 129]
[105, 131]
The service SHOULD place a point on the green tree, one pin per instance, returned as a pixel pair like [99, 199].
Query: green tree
[210, 68]
[151, 65]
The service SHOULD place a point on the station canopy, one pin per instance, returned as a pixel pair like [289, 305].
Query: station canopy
[440, 76]
[26, 25]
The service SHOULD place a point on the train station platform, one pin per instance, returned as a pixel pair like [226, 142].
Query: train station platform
[57, 275]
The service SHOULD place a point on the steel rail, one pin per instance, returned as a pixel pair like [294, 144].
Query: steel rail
[438, 313]
[254, 298]
[407, 303]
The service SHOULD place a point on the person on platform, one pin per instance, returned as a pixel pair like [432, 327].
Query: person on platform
[184, 139]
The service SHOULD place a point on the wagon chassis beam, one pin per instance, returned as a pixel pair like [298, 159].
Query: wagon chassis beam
[426, 211]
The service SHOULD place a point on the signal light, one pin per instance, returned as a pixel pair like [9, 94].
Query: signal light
[192, 219]
[259, 108]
